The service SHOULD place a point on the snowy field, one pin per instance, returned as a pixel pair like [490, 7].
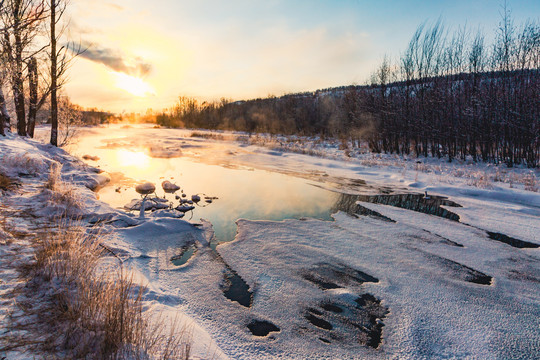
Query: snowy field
[394, 276]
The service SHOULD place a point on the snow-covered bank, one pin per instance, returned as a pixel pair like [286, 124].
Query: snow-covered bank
[50, 183]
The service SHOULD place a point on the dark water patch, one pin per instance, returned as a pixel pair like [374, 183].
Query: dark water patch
[184, 256]
[444, 240]
[326, 341]
[364, 211]
[333, 276]
[332, 307]
[262, 327]
[351, 322]
[520, 275]
[461, 271]
[429, 204]
[318, 322]
[367, 300]
[520, 244]
[314, 311]
[236, 289]
[374, 312]
[325, 285]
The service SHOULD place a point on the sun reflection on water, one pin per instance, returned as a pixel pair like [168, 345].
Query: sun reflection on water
[132, 158]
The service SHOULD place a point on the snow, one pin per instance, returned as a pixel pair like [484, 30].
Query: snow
[450, 290]
[145, 188]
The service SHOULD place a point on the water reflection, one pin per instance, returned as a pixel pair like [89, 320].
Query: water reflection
[427, 204]
[241, 192]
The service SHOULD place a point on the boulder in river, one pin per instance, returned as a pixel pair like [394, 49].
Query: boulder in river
[169, 187]
[146, 188]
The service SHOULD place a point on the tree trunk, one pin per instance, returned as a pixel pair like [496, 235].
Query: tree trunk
[33, 87]
[4, 116]
[54, 79]
[18, 83]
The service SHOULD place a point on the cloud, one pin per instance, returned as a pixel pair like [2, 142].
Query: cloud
[114, 60]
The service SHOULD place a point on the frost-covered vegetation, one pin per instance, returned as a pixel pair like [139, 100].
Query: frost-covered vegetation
[449, 95]
[65, 293]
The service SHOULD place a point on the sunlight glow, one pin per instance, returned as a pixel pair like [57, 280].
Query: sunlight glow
[134, 85]
[134, 159]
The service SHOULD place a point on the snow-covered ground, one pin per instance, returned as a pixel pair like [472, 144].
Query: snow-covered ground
[415, 286]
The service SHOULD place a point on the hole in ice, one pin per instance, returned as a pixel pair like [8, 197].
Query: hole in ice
[358, 321]
[325, 285]
[461, 271]
[333, 276]
[314, 311]
[184, 256]
[236, 289]
[332, 307]
[318, 322]
[262, 327]
[364, 211]
[512, 241]
[326, 341]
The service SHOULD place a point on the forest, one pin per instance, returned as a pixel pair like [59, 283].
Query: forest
[450, 94]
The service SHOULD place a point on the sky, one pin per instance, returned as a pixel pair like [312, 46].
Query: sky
[144, 54]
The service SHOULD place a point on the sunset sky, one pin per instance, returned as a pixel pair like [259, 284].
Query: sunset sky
[144, 54]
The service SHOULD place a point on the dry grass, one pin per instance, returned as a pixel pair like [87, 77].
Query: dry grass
[530, 182]
[81, 310]
[62, 193]
[210, 136]
[7, 183]
[24, 164]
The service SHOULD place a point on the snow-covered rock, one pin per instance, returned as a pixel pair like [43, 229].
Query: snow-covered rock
[169, 187]
[146, 188]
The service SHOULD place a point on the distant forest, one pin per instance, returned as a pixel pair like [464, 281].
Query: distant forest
[449, 95]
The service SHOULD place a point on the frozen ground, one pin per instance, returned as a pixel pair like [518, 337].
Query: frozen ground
[403, 284]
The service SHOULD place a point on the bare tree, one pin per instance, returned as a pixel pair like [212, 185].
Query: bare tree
[33, 98]
[21, 20]
[60, 59]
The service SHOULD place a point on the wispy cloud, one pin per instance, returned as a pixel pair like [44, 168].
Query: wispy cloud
[113, 59]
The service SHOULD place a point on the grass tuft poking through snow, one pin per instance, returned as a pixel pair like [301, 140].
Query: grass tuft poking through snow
[82, 309]
[62, 193]
[6, 183]
[24, 164]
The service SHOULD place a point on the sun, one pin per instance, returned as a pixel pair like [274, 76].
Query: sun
[134, 85]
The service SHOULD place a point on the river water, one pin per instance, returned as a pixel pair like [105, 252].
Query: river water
[199, 168]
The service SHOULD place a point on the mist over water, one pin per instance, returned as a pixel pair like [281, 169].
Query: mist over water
[242, 192]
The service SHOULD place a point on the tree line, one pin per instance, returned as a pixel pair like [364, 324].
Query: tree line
[450, 94]
[33, 63]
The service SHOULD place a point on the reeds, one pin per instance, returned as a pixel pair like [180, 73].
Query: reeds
[82, 308]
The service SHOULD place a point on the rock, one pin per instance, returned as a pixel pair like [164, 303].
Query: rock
[90, 157]
[184, 208]
[169, 186]
[146, 188]
[195, 198]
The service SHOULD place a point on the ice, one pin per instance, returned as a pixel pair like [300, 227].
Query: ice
[149, 204]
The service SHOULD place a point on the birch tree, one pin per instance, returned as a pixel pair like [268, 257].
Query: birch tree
[21, 20]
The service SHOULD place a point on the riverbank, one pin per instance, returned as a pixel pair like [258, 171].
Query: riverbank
[65, 290]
